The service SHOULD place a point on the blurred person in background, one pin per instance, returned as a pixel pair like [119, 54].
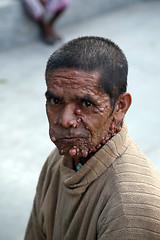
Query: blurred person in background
[46, 12]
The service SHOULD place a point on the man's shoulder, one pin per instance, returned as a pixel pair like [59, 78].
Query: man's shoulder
[132, 196]
[50, 166]
[134, 162]
[136, 176]
[53, 158]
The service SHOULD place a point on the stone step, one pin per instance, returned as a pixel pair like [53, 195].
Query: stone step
[17, 28]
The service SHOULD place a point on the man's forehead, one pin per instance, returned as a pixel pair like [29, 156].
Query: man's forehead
[71, 77]
[76, 84]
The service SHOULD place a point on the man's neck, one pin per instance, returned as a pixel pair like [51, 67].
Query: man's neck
[79, 162]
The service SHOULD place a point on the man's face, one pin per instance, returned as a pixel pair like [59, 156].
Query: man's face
[78, 111]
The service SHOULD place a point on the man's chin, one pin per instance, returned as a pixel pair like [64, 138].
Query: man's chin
[76, 147]
[74, 151]
[65, 144]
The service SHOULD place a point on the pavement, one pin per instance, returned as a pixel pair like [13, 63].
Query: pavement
[23, 124]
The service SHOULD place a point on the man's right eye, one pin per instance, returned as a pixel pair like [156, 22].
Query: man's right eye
[54, 100]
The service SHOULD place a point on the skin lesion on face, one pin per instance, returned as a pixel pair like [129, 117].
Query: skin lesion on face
[76, 151]
[78, 113]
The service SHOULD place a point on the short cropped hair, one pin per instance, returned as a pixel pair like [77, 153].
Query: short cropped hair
[94, 54]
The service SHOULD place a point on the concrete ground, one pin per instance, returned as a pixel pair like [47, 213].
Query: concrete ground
[23, 125]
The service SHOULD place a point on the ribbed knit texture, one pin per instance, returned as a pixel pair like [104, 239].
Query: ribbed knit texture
[114, 196]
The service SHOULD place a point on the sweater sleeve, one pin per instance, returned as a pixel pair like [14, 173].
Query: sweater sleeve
[130, 227]
[34, 229]
[133, 213]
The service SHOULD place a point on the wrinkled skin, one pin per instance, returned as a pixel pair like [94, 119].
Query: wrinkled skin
[78, 111]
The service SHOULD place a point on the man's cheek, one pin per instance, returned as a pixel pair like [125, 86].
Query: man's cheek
[91, 123]
[93, 135]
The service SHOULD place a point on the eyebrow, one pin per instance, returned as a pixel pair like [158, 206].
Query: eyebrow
[48, 94]
[86, 97]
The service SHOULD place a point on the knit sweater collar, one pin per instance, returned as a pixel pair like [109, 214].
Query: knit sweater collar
[96, 165]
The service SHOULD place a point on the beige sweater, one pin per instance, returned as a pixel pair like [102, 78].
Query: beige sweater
[114, 196]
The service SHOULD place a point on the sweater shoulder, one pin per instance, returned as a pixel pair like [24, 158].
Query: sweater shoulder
[53, 158]
[134, 199]
[137, 179]
[135, 163]
[50, 167]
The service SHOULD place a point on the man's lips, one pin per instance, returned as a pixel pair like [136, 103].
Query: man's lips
[68, 140]
[68, 136]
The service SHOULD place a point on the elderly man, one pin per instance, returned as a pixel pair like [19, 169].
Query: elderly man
[96, 184]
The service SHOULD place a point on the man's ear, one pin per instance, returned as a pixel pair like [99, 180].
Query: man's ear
[122, 105]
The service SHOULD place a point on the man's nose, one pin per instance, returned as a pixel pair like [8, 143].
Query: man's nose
[68, 117]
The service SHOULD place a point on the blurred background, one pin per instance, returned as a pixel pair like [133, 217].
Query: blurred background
[24, 142]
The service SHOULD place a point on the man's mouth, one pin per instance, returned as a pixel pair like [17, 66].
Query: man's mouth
[68, 137]
[67, 140]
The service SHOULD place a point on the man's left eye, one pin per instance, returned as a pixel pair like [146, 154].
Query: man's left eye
[87, 103]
